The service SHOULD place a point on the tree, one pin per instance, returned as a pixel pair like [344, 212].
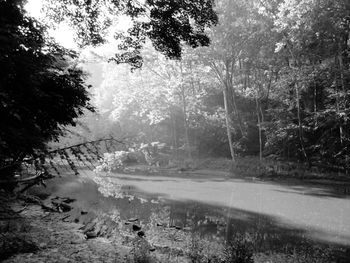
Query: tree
[41, 90]
[315, 49]
[166, 23]
[165, 101]
[236, 40]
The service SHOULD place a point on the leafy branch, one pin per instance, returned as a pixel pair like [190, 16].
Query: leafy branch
[86, 153]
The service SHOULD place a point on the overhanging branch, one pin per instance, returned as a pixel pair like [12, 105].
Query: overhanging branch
[56, 151]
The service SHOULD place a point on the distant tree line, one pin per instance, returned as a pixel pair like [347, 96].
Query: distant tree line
[273, 82]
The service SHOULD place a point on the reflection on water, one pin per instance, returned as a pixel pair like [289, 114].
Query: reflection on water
[211, 223]
[170, 223]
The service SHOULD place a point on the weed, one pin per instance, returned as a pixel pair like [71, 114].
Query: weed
[238, 250]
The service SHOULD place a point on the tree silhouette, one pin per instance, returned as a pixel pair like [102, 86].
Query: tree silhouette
[40, 90]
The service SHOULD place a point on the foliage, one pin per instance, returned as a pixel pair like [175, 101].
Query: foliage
[273, 82]
[292, 59]
[91, 126]
[313, 85]
[281, 69]
[112, 161]
[165, 23]
[280, 66]
[41, 90]
[166, 87]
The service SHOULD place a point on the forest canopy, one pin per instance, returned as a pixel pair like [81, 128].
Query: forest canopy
[265, 78]
[168, 24]
[43, 90]
[273, 82]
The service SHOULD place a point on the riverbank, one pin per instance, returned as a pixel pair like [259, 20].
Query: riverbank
[97, 220]
[251, 167]
[34, 234]
[30, 233]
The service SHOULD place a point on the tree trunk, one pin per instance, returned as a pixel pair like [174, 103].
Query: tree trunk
[187, 138]
[342, 83]
[175, 144]
[235, 108]
[228, 124]
[258, 111]
[300, 126]
[226, 84]
[184, 109]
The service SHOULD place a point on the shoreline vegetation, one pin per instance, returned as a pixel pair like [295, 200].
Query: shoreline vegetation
[249, 167]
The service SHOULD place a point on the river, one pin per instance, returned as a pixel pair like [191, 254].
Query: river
[275, 213]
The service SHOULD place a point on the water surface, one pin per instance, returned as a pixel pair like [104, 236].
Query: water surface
[271, 214]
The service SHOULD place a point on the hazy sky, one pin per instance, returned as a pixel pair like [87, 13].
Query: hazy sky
[64, 35]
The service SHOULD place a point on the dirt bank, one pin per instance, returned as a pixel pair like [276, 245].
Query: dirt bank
[31, 234]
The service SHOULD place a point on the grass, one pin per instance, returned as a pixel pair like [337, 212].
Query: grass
[306, 254]
[240, 250]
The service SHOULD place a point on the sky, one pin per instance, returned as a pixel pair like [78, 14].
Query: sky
[64, 35]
